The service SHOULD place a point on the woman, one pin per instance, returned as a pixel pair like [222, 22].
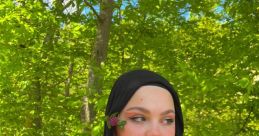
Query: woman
[143, 103]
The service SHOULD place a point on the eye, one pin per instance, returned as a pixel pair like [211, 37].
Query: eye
[168, 121]
[138, 119]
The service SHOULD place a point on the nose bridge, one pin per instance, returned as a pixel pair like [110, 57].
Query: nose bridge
[154, 129]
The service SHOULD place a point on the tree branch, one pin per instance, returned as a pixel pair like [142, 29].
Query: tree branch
[245, 121]
[92, 8]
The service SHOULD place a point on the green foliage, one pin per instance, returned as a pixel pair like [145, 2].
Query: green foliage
[208, 50]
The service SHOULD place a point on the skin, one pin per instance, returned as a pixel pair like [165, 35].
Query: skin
[150, 112]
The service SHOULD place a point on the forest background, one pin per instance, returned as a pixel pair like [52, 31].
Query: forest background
[60, 58]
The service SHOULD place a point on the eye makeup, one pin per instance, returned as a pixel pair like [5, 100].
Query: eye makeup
[168, 119]
[135, 117]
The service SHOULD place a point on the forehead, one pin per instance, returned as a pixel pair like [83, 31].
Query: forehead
[152, 97]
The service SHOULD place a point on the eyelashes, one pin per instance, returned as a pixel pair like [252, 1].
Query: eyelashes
[168, 121]
[142, 119]
[137, 119]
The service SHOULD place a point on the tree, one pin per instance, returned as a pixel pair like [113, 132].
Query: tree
[56, 57]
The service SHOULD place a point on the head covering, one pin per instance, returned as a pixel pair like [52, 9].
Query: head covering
[127, 84]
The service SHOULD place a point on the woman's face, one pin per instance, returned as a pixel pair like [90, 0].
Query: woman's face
[150, 112]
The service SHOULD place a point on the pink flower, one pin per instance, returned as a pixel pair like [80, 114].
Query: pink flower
[113, 121]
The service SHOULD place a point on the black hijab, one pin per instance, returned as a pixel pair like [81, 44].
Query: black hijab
[127, 84]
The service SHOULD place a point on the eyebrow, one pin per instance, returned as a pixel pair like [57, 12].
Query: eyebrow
[138, 108]
[147, 111]
[167, 112]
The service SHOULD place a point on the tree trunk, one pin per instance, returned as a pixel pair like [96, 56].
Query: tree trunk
[98, 55]
[99, 52]
[37, 99]
[69, 79]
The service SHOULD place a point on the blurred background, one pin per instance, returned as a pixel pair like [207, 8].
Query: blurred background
[60, 58]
